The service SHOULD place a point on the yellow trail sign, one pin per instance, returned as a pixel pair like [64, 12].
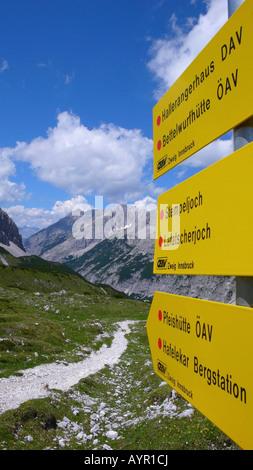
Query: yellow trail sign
[204, 351]
[205, 224]
[212, 96]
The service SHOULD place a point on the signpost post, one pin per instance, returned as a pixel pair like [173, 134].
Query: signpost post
[243, 134]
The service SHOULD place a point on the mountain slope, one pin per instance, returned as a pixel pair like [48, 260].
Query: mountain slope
[57, 243]
[54, 235]
[72, 236]
[27, 232]
[32, 273]
[9, 231]
[127, 265]
[122, 263]
[48, 312]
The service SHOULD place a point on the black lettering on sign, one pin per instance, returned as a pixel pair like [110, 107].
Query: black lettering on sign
[162, 163]
[228, 85]
[161, 366]
[204, 330]
[231, 45]
[161, 263]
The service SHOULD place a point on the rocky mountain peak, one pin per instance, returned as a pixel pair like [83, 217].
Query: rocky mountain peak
[9, 231]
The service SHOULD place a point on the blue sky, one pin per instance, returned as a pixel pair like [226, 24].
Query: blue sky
[78, 82]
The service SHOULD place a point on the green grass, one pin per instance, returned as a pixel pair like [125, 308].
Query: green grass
[131, 392]
[44, 328]
[56, 325]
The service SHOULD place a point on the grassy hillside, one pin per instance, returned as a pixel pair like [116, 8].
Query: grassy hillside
[39, 301]
[53, 315]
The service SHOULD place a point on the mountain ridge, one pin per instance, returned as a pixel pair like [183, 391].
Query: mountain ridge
[124, 263]
[128, 266]
[9, 231]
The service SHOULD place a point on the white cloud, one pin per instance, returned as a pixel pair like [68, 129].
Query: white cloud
[210, 154]
[9, 191]
[4, 66]
[107, 160]
[40, 218]
[172, 55]
[63, 208]
[42, 65]
[147, 203]
[69, 78]
[30, 217]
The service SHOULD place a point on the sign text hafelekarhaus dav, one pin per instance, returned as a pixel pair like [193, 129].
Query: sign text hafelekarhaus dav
[203, 106]
[208, 85]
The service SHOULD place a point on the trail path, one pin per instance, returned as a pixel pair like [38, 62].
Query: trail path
[16, 390]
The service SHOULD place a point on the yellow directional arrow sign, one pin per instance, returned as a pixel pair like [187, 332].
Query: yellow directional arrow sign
[212, 96]
[205, 224]
[204, 351]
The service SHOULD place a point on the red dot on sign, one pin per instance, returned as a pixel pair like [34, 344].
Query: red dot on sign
[162, 215]
[159, 144]
[160, 241]
[158, 120]
[159, 343]
[160, 315]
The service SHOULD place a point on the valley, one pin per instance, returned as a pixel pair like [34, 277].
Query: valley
[76, 371]
[121, 262]
[53, 325]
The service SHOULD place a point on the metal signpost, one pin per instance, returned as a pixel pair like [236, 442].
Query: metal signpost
[204, 349]
[243, 134]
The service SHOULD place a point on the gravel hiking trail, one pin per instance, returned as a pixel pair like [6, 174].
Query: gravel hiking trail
[37, 382]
